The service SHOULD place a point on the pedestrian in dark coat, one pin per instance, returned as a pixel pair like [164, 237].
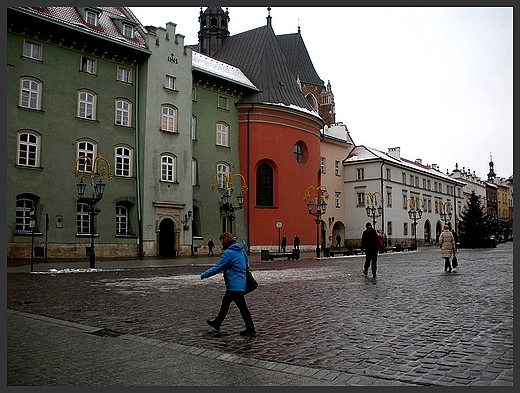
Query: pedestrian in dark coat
[211, 246]
[284, 243]
[369, 246]
[296, 242]
[338, 240]
[232, 263]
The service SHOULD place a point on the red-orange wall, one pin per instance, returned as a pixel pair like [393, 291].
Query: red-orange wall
[273, 132]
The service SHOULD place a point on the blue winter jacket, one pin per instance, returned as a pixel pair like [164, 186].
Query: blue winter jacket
[232, 263]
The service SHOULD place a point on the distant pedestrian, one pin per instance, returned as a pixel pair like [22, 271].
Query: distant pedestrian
[211, 246]
[447, 245]
[338, 240]
[296, 243]
[284, 243]
[369, 246]
[232, 263]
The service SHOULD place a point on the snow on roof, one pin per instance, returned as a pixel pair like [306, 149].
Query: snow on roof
[295, 107]
[363, 153]
[210, 65]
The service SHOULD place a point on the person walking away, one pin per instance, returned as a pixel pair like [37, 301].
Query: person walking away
[232, 264]
[447, 245]
[296, 243]
[369, 246]
[338, 240]
[284, 243]
[211, 246]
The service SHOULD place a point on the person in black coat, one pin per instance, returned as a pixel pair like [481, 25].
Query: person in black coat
[369, 246]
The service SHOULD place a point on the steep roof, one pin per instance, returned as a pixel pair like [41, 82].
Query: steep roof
[298, 58]
[258, 54]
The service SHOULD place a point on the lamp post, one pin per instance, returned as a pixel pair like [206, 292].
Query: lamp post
[224, 180]
[86, 165]
[316, 208]
[415, 213]
[374, 209]
[444, 211]
[184, 222]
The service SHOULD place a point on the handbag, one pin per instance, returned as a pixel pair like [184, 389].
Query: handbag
[251, 283]
[454, 261]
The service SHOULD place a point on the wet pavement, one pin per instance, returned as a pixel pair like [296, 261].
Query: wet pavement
[415, 325]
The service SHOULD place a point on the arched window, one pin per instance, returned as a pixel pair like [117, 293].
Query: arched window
[168, 168]
[30, 96]
[299, 152]
[169, 118]
[123, 160]
[28, 149]
[123, 112]
[222, 171]
[264, 185]
[85, 149]
[312, 100]
[86, 105]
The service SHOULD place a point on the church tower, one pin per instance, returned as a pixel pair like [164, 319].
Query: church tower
[213, 29]
[491, 175]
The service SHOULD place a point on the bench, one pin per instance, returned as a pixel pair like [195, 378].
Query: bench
[341, 252]
[267, 255]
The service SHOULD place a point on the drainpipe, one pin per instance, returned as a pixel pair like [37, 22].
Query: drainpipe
[137, 166]
[382, 203]
[249, 180]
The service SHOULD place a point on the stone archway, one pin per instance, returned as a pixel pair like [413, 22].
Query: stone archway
[427, 231]
[167, 238]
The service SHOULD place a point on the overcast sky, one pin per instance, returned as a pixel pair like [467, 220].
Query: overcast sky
[436, 82]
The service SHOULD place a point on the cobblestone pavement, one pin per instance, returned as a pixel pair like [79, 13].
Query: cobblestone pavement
[416, 324]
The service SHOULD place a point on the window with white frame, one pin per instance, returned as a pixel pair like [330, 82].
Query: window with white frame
[30, 93]
[124, 74]
[222, 102]
[223, 170]
[85, 153]
[169, 82]
[123, 109]
[88, 65]
[169, 118]
[168, 168]
[193, 128]
[123, 161]
[128, 30]
[32, 50]
[337, 199]
[83, 219]
[91, 18]
[323, 165]
[28, 149]
[24, 205]
[360, 201]
[222, 134]
[360, 173]
[121, 220]
[337, 168]
[86, 105]
[194, 172]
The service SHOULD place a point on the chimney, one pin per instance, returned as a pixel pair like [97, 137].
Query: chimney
[395, 152]
[418, 161]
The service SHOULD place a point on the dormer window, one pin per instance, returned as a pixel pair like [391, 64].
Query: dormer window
[90, 15]
[91, 18]
[128, 31]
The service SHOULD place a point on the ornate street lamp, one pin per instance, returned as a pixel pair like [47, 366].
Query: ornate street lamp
[185, 222]
[374, 209]
[89, 166]
[415, 213]
[225, 181]
[444, 210]
[316, 208]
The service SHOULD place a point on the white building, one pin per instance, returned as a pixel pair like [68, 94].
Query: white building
[393, 185]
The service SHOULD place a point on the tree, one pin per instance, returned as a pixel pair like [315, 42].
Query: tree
[474, 224]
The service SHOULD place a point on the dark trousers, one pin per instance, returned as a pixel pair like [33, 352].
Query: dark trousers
[447, 265]
[238, 298]
[371, 259]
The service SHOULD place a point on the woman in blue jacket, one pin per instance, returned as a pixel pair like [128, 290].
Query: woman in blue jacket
[232, 263]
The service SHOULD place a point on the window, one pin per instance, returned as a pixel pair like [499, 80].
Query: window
[194, 94]
[32, 50]
[360, 199]
[222, 171]
[429, 185]
[83, 219]
[169, 119]
[416, 181]
[222, 134]
[323, 164]
[24, 205]
[389, 228]
[405, 201]
[405, 229]
[388, 198]
[222, 102]
[298, 152]
[168, 168]
[360, 173]
[411, 180]
[424, 183]
[336, 168]
[123, 113]
[91, 18]
[337, 199]
[30, 93]
[128, 30]
[194, 172]
[264, 185]
[404, 178]
[88, 65]
[121, 220]
[86, 152]
[123, 161]
[169, 82]
[124, 74]
[28, 149]
[86, 105]
[388, 174]
[193, 128]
